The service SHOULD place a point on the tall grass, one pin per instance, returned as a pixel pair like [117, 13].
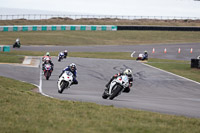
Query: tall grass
[25, 111]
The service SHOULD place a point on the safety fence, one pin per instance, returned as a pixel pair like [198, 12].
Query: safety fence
[59, 28]
[74, 17]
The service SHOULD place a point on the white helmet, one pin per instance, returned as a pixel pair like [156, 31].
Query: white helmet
[128, 72]
[65, 51]
[72, 66]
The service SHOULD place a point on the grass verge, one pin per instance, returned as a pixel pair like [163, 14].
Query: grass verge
[5, 58]
[74, 38]
[181, 68]
[25, 111]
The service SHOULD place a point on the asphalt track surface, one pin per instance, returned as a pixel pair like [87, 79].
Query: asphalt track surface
[153, 90]
[172, 49]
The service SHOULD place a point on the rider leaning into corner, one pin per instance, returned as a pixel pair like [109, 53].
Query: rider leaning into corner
[127, 72]
[71, 68]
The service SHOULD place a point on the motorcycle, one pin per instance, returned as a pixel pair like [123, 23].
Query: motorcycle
[142, 57]
[60, 56]
[17, 44]
[47, 71]
[65, 81]
[116, 87]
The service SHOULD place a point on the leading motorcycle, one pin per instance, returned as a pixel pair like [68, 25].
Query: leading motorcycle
[65, 81]
[116, 87]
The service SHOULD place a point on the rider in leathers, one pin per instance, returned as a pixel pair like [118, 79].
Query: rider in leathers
[127, 72]
[71, 68]
[47, 61]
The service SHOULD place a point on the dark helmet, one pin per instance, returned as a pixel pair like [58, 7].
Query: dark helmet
[72, 67]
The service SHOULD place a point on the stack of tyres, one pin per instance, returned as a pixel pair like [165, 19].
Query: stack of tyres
[195, 63]
[6, 48]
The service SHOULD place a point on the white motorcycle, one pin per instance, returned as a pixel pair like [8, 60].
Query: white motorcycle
[60, 56]
[65, 81]
[116, 87]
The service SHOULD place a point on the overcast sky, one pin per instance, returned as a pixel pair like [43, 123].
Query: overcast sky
[187, 8]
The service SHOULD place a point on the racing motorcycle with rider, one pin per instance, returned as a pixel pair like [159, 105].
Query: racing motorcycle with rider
[67, 77]
[120, 82]
[62, 55]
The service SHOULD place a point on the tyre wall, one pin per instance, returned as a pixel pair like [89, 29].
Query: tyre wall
[59, 28]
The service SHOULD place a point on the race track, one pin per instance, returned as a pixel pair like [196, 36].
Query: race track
[153, 90]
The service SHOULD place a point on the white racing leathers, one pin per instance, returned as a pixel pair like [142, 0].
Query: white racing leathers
[116, 87]
[65, 81]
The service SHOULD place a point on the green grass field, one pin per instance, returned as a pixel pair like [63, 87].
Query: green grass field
[5, 58]
[25, 111]
[74, 38]
[22, 110]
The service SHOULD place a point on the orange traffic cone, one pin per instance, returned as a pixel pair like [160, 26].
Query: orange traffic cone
[165, 50]
[179, 50]
[191, 50]
[153, 51]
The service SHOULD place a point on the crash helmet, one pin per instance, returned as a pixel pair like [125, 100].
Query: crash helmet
[47, 60]
[72, 67]
[128, 72]
[145, 52]
[47, 54]
[65, 51]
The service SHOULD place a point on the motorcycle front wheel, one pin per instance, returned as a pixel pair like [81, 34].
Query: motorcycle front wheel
[63, 85]
[115, 92]
[47, 75]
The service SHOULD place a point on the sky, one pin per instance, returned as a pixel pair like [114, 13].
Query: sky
[185, 8]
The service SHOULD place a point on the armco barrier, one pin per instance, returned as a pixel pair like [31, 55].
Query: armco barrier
[59, 28]
[161, 28]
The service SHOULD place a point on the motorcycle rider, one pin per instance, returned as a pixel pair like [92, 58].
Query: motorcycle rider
[47, 55]
[17, 43]
[71, 68]
[145, 55]
[47, 61]
[65, 53]
[127, 72]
